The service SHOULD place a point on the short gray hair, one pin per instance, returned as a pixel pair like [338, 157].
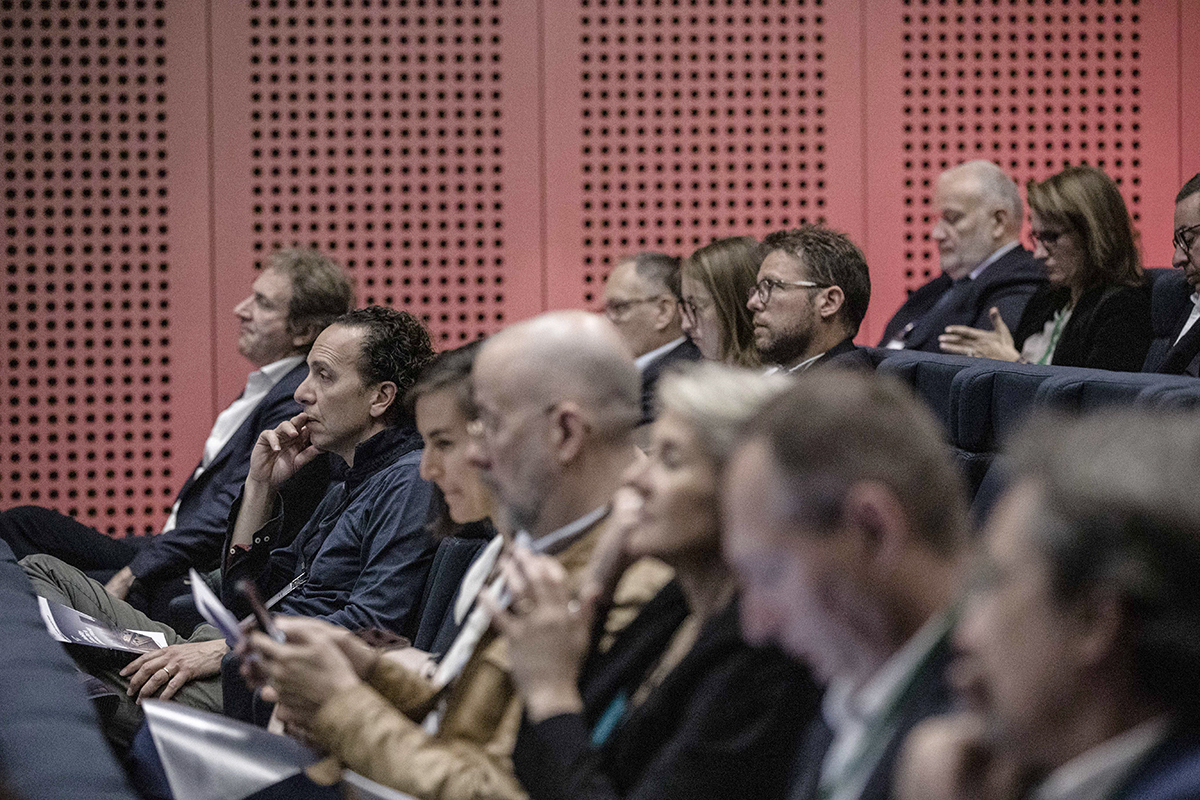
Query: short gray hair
[995, 187]
[716, 401]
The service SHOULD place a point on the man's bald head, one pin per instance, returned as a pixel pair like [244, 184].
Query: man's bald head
[568, 356]
[558, 397]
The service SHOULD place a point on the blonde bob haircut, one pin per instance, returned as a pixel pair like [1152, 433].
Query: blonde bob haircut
[716, 401]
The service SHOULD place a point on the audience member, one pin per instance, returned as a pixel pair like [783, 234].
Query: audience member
[642, 298]
[812, 294]
[845, 519]
[361, 559]
[979, 212]
[293, 299]
[1095, 311]
[557, 398]
[1080, 640]
[715, 280]
[679, 706]
[1175, 305]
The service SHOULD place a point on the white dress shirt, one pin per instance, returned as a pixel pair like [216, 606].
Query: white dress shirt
[1191, 320]
[644, 359]
[258, 384]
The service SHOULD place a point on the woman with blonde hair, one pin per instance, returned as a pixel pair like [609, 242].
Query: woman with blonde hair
[716, 281]
[1095, 310]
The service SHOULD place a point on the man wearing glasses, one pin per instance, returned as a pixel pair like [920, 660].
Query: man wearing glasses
[641, 298]
[812, 294]
[1175, 304]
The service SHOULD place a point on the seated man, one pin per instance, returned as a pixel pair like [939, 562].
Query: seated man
[846, 521]
[978, 214]
[298, 294]
[359, 562]
[1175, 304]
[558, 398]
[641, 298]
[1079, 640]
[812, 294]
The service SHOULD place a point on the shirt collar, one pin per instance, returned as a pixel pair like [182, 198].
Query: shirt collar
[560, 538]
[992, 259]
[644, 359]
[1099, 771]
[381, 450]
[844, 703]
[803, 365]
[272, 373]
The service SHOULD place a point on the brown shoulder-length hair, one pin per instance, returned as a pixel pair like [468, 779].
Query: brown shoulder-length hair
[1088, 202]
[728, 268]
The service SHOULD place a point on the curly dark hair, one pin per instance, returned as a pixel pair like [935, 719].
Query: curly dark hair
[395, 349]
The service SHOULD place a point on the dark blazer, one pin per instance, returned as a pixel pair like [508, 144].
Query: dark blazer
[1170, 307]
[683, 352]
[724, 723]
[204, 501]
[1007, 284]
[50, 742]
[1170, 772]
[1109, 328]
[929, 695]
[846, 355]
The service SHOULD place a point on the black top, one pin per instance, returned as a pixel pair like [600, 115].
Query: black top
[1109, 328]
[724, 723]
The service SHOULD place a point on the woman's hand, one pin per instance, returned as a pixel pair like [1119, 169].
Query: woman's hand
[308, 669]
[547, 630]
[965, 341]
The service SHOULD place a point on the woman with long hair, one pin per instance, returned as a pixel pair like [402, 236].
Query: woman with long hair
[716, 281]
[1095, 310]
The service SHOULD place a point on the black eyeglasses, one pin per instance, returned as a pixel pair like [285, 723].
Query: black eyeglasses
[762, 290]
[1185, 237]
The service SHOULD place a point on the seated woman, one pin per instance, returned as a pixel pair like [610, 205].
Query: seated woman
[1095, 310]
[715, 282]
[679, 706]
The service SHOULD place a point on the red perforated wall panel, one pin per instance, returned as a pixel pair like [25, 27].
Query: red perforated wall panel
[477, 161]
[104, 231]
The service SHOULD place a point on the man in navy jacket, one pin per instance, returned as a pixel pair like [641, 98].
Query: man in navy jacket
[293, 299]
[979, 214]
[1175, 304]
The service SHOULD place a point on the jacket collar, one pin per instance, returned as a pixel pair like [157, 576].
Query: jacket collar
[381, 450]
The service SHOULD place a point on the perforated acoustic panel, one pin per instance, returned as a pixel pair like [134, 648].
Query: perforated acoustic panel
[88, 326]
[696, 120]
[1032, 86]
[379, 133]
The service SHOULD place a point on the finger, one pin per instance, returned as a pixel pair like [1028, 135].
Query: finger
[270, 694]
[514, 578]
[548, 580]
[306, 455]
[964, 331]
[504, 621]
[271, 440]
[172, 686]
[998, 323]
[139, 662]
[300, 420]
[153, 682]
[287, 430]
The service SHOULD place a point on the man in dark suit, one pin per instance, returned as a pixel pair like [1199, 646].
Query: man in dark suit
[846, 523]
[292, 300]
[1078, 642]
[979, 214]
[641, 298]
[1175, 303]
[812, 294]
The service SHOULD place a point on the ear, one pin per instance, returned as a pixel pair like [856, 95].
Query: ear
[666, 311]
[1001, 222]
[1099, 619]
[303, 340]
[385, 395]
[872, 514]
[830, 302]
[568, 430]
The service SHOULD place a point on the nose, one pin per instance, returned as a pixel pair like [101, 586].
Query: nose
[428, 467]
[1039, 249]
[303, 394]
[635, 476]
[1180, 258]
[754, 304]
[242, 309]
[938, 234]
[686, 324]
[756, 618]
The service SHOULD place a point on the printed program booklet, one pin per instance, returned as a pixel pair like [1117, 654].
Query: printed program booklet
[74, 627]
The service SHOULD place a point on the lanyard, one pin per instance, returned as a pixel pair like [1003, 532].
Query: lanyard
[1055, 332]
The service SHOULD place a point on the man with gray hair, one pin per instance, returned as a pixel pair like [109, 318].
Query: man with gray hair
[641, 298]
[978, 220]
[1080, 640]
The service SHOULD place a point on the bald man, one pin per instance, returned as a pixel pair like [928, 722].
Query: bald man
[978, 211]
[558, 398]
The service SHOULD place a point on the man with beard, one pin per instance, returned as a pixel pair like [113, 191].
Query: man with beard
[812, 294]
